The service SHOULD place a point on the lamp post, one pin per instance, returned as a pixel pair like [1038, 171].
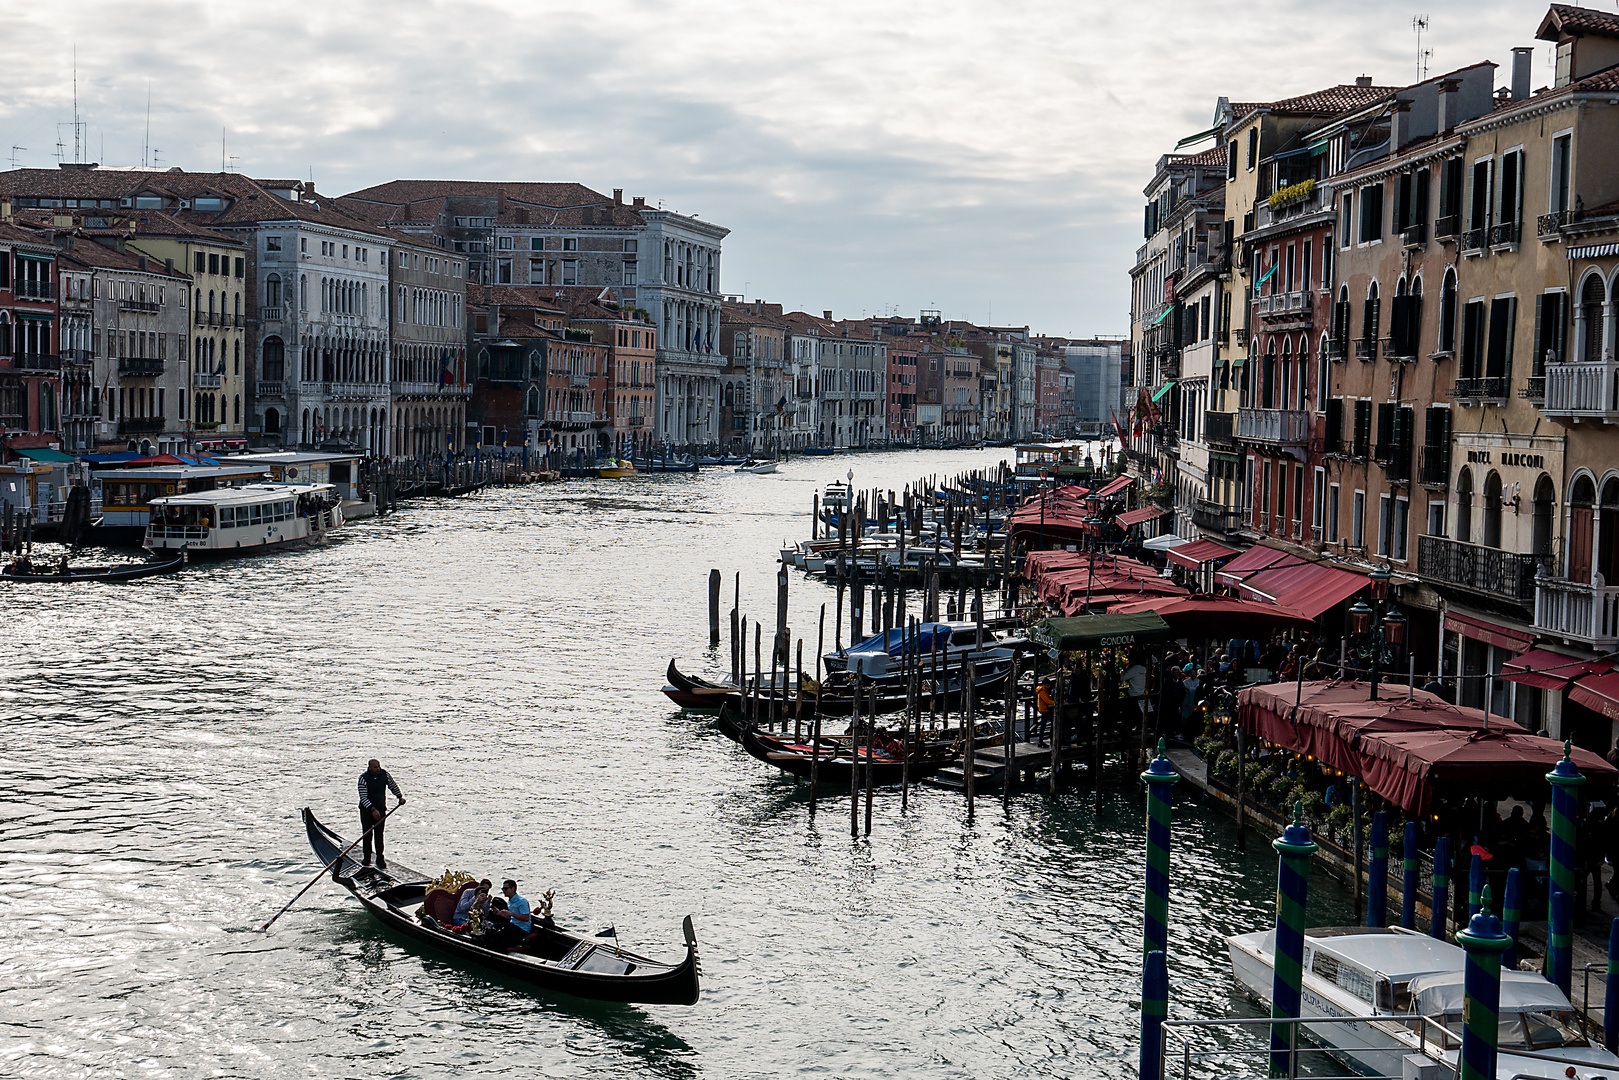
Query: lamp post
[1380, 628]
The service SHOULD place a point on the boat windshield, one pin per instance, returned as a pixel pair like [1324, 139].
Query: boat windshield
[1529, 1030]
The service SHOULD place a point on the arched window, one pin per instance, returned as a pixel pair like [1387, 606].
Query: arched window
[1267, 388]
[1492, 510]
[272, 291]
[236, 409]
[237, 362]
[1464, 505]
[1447, 312]
[210, 305]
[1581, 528]
[1608, 532]
[1541, 540]
[47, 408]
[1591, 297]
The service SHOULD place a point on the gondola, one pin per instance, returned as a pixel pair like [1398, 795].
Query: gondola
[690, 692]
[552, 958]
[100, 573]
[791, 756]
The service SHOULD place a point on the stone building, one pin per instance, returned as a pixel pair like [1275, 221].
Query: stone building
[427, 353]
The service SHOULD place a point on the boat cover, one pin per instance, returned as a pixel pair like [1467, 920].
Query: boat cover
[1521, 991]
[893, 641]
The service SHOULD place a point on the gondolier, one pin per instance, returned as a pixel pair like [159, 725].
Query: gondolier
[375, 783]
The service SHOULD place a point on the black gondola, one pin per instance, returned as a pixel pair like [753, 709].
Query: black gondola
[132, 572]
[690, 692]
[551, 958]
[836, 762]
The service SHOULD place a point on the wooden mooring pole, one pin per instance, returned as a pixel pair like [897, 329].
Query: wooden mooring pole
[714, 607]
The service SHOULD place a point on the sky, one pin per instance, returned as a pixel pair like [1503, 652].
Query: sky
[869, 156]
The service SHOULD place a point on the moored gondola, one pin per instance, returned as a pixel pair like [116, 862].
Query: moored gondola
[836, 761]
[130, 572]
[551, 958]
[835, 697]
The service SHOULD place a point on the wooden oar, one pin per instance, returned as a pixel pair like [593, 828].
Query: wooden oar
[386, 814]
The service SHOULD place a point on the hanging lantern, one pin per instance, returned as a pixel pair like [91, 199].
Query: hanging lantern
[1360, 618]
[1394, 629]
[1380, 584]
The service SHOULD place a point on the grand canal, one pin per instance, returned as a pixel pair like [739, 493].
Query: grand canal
[502, 655]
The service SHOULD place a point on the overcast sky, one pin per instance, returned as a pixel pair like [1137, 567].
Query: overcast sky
[867, 155]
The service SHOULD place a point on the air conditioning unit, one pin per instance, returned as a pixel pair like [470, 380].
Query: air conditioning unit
[185, 204]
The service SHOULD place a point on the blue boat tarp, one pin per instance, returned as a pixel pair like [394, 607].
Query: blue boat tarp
[893, 641]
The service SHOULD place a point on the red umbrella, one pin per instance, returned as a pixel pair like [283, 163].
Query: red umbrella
[1219, 616]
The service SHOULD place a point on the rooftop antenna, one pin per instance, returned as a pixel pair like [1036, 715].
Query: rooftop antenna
[76, 154]
[1420, 24]
[14, 150]
[146, 141]
[222, 158]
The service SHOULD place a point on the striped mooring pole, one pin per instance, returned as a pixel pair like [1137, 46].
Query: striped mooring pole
[1560, 943]
[1475, 880]
[1377, 874]
[1511, 916]
[1481, 987]
[1441, 888]
[1160, 777]
[1154, 1011]
[1610, 998]
[1566, 781]
[1408, 898]
[1294, 848]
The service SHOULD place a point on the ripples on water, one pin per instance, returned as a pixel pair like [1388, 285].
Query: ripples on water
[502, 655]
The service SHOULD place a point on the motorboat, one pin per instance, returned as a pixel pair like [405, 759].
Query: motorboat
[244, 520]
[951, 640]
[1416, 982]
[614, 469]
[757, 468]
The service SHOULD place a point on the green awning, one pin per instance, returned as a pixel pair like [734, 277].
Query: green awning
[1162, 390]
[1162, 315]
[1199, 137]
[1100, 631]
[47, 455]
[36, 256]
[1267, 276]
[42, 316]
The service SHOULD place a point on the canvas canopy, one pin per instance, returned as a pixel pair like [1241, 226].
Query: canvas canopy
[1218, 616]
[1100, 631]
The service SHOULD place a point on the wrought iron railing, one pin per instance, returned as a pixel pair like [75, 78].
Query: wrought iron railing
[1433, 467]
[1534, 389]
[1504, 232]
[1219, 429]
[130, 425]
[1493, 387]
[143, 366]
[1446, 226]
[33, 290]
[1486, 570]
[1552, 224]
[1473, 239]
[1414, 235]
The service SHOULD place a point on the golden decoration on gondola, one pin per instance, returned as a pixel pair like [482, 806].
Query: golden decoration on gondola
[452, 881]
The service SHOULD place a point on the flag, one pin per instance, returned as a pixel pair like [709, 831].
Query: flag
[611, 932]
[446, 373]
[781, 405]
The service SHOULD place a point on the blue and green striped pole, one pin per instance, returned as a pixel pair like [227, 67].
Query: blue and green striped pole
[1481, 987]
[1408, 899]
[1441, 888]
[1565, 780]
[1475, 880]
[1294, 847]
[1610, 999]
[1511, 916]
[1160, 777]
[1377, 875]
[1560, 943]
[1154, 1011]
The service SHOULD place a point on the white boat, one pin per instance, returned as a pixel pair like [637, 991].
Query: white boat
[954, 640]
[1416, 981]
[244, 520]
[757, 468]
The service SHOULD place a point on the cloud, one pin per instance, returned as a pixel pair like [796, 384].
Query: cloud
[866, 156]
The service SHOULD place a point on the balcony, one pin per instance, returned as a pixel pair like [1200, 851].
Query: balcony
[1433, 466]
[207, 382]
[1279, 427]
[579, 382]
[138, 305]
[76, 356]
[1446, 227]
[269, 390]
[12, 420]
[269, 314]
[141, 367]
[580, 417]
[1534, 389]
[1414, 236]
[139, 425]
[1505, 234]
[1337, 350]
[1219, 430]
[1396, 462]
[1549, 226]
[634, 421]
[1366, 349]
[1578, 610]
[1241, 333]
[36, 362]
[33, 290]
[1214, 517]
[1474, 568]
[1582, 391]
[1473, 240]
[1491, 388]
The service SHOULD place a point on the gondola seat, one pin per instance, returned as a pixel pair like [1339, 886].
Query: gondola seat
[440, 904]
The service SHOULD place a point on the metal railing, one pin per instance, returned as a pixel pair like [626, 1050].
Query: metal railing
[140, 424]
[1288, 427]
[1414, 235]
[1479, 569]
[142, 366]
[1219, 429]
[138, 305]
[33, 290]
[1552, 224]
[1493, 387]
[1505, 232]
[1473, 240]
[1240, 1046]
[1395, 459]
[1366, 348]
[36, 362]
[178, 532]
[1446, 226]
[1434, 466]
[1582, 389]
[1534, 389]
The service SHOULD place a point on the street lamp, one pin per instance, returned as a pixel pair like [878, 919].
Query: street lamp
[1380, 628]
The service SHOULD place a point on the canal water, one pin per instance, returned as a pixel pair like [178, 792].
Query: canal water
[502, 654]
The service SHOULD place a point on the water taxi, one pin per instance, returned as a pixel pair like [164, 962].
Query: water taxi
[615, 469]
[245, 520]
[1416, 982]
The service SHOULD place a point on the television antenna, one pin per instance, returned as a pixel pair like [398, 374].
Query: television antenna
[1420, 25]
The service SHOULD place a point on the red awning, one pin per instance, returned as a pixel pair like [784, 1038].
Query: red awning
[1114, 486]
[1506, 637]
[1218, 616]
[1548, 670]
[1136, 517]
[1310, 589]
[1598, 692]
[1194, 555]
[1251, 562]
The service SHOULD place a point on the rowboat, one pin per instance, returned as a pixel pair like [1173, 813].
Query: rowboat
[131, 572]
[551, 958]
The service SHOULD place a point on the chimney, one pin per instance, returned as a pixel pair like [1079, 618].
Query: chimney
[618, 196]
[1363, 80]
[168, 265]
[1520, 72]
[1449, 101]
[1399, 124]
[827, 315]
[639, 203]
[140, 262]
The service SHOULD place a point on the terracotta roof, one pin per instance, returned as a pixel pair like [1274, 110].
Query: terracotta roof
[747, 315]
[422, 212]
[1215, 155]
[511, 326]
[1606, 79]
[1567, 19]
[539, 297]
[12, 234]
[551, 195]
[1328, 102]
[104, 257]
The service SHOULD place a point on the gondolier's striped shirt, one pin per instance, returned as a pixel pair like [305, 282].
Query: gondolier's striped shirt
[387, 778]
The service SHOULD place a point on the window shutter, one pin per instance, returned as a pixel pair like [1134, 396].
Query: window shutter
[1421, 196]
[1399, 327]
[1537, 361]
[1385, 429]
[1498, 361]
[1335, 424]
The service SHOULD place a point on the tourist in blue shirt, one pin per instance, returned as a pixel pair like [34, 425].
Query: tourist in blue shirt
[516, 914]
